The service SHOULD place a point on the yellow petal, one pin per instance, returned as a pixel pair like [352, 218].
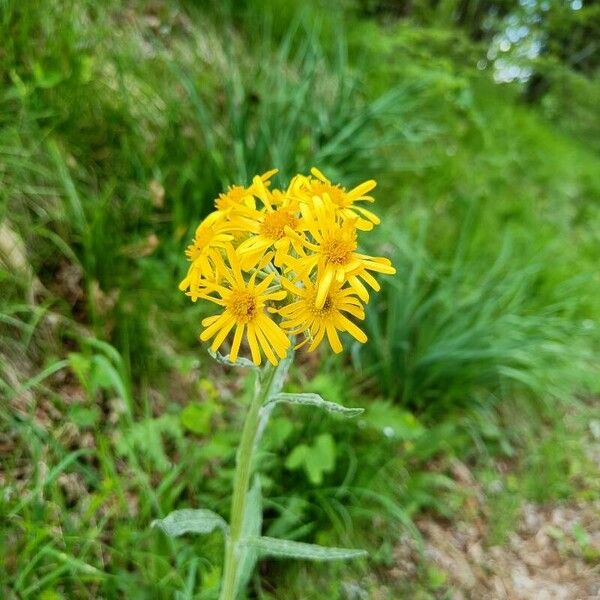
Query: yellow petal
[220, 337]
[237, 340]
[323, 286]
[254, 349]
[334, 340]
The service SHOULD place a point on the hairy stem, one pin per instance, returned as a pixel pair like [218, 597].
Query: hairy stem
[241, 483]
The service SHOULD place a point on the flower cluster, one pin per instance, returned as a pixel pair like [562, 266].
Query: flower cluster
[282, 263]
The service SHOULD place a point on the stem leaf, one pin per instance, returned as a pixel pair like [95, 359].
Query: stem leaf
[190, 520]
[310, 399]
[278, 548]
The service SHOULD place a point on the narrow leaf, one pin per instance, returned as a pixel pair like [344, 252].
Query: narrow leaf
[310, 399]
[279, 548]
[190, 520]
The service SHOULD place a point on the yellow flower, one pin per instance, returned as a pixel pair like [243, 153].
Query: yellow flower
[334, 255]
[273, 226]
[262, 245]
[244, 306]
[239, 198]
[204, 254]
[343, 200]
[304, 316]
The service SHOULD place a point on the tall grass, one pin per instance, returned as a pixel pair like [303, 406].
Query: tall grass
[450, 331]
[295, 102]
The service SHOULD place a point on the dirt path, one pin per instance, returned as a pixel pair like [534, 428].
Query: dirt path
[553, 555]
[552, 552]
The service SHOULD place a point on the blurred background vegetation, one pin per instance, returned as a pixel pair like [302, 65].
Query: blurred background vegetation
[120, 121]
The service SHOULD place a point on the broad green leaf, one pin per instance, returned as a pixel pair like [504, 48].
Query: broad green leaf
[106, 376]
[310, 399]
[196, 417]
[296, 457]
[50, 595]
[279, 431]
[278, 548]
[190, 520]
[315, 460]
[221, 444]
[80, 365]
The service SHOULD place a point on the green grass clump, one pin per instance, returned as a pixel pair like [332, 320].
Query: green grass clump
[449, 332]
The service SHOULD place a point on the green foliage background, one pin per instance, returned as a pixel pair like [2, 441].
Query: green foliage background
[121, 121]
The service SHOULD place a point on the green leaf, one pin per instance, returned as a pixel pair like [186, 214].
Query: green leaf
[50, 595]
[296, 457]
[325, 451]
[80, 365]
[190, 520]
[147, 441]
[278, 548]
[220, 445]
[196, 417]
[315, 460]
[278, 433]
[310, 399]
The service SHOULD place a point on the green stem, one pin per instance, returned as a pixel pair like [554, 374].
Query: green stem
[241, 482]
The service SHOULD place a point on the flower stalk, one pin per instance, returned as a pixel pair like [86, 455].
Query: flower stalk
[277, 264]
[263, 390]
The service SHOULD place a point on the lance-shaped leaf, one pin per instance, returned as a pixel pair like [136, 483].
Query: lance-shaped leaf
[310, 399]
[190, 520]
[239, 362]
[278, 548]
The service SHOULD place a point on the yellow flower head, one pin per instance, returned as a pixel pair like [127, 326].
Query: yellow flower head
[239, 198]
[343, 201]
[204, 253]
[275, 227]
[304, 316]
[332, 251]
[283, 263]
[243, 304]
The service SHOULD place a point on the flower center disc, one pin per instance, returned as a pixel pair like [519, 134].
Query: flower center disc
[338, 251]
[311, 304]
[274, 224]
[335, 193]
[242, 305]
